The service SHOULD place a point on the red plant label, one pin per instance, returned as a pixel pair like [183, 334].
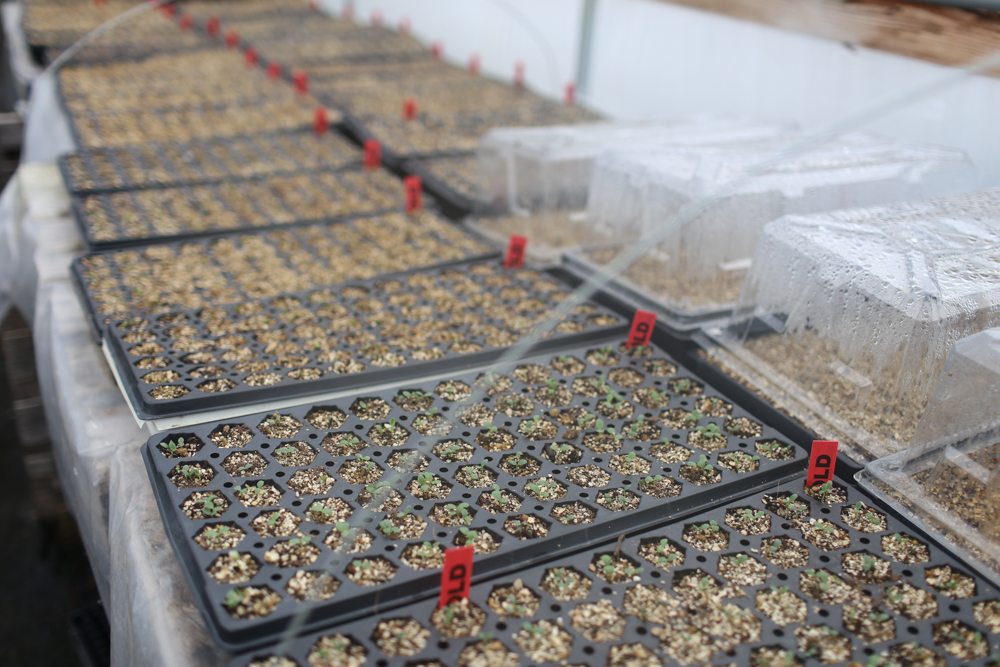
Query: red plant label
[301, 81]
[273, 71]
[456, 577]
[413, 191]
[642, 329]
[232, 39]
[822, 460]
[373, 154]
[514, 259]
[212, 26]
[320, 121]
[186, 22]
[570, 96]
[251, 56]
[409, 108]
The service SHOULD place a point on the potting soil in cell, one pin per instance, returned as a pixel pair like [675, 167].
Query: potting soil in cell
[785, 577]
[563, 450]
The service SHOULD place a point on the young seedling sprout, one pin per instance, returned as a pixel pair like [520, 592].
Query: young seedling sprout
[233, 598]
[190, 472]
[172, 446]
[824, 490]
[286, 450]
[210, 508]
[703, 463]
[709, 430]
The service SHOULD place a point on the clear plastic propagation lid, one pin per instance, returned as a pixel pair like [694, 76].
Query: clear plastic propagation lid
[536, 180]
[700, 264]
[549, 168]
[951, 483]
[847, 317]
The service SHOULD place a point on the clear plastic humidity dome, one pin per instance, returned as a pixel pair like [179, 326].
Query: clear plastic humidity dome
[951, 483]
[535, 181]
[847, 317]
[697, 269]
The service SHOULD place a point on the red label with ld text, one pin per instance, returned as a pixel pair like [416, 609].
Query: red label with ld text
[373, 154]
[514, 259]
[456, 577]
[642, 329]
[320, 121]
[822, 460]
[301, 81]
[413, 192]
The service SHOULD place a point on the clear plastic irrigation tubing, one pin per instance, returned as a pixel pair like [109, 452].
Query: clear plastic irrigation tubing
[630, 254]
[106, 27]
[800, 146]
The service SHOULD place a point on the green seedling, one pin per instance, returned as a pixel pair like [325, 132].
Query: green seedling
[751, 514]
[191, 472]
[233, 598]
[531, 628]
[709, 430]
[388, 528]
[300, 541]
[286, 450]
[210, 508]
[710, 527]
[273, 519]
[703, 463]
[173, 446]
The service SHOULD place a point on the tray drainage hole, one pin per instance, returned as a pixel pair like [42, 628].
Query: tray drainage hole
[954, 608]
[868, 650]
[227, 485]
[824, 559]
[214, 455]
[742, 444]
[912, 630]
[637, 448]
[584, 495]
[418, 508]
[589, 650]
[824, 510]
[358, 426]
[785, 526]
[280, 473]
[864, 540]
[381, 663]
[626, 482]
[907, 573]
[466, 434]
[242, 515]
[598, 460]
[700, 558]
[512, 483]
[445, 408]
[312, 436]
[744, 542]
[441, 533]
[531, 448]
[276, 577]
[376, 453]
[606, 590]
[368, 519]
[823, 613]
[329, 464]
[296, 503]
[675, 436]
[258, 545]
[501, 626]
[782, 576]
[654, 574]
[314, 531]
[443, 646]
[390, 547]
[443, 469]
[491, 521]
[640, 630]
[658, 383]
[778, 632]
[348, 492]
[556, 608]
[403, 418]
[466, 496]
[265, 445]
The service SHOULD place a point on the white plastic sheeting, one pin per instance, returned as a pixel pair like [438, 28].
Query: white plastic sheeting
[152, 613]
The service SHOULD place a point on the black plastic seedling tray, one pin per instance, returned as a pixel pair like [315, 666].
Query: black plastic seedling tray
[429, 241]
[738, 603]
[457, 202]
[216, 160]
[682, 323]
[356, 334]
[539, 477]
[372, 192]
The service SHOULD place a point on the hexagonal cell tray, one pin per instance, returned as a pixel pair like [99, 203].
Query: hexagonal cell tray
[145, 166]
[564, 451]
[118, 219]
[754, 582]
[356, 334]
[158, 279]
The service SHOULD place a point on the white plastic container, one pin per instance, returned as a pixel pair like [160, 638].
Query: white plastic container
[951, 483]
[695, 273]
[846, 318]
[536, 181]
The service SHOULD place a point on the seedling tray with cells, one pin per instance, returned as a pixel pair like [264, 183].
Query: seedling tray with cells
[332, 339]
[158, 279]
[162, 165]
[122, 218]
[847, 584]
[563, 451]
[452, 179]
